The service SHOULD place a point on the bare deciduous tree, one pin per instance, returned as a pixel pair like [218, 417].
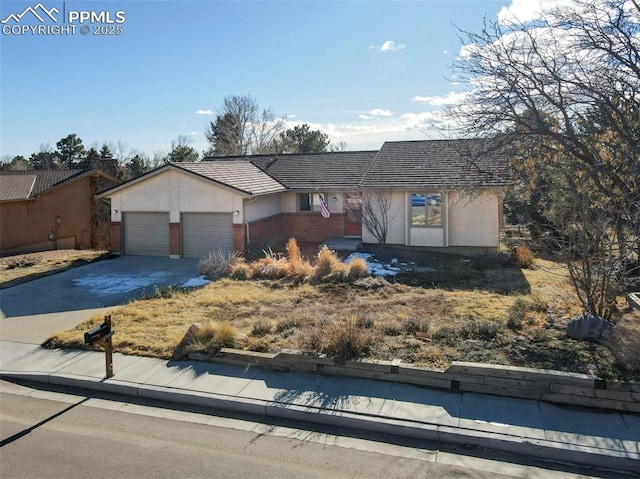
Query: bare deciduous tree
[377, 213]
[242, 129]
[560, 94]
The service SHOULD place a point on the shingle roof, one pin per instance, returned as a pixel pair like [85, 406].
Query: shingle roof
[434, 164]
[335, 170]
[25, 184]
[239, 174]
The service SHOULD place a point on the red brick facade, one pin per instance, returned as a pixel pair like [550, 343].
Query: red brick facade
[174, 239]
[305, 227]
[239, 238]
[115, 237]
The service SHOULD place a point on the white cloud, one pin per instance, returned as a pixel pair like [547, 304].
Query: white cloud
[450, 98]
[390, 46]
[204, 112]
[183, 124]
[380, 112]
[292, 116]
[193, 133]
[364, 117]
[528, 10]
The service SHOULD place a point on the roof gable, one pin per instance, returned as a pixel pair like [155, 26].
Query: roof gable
[434, 164]
[310, 171]
[241, 175]
[26, 184]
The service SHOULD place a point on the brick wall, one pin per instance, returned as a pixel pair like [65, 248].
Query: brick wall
[313, 227]
[305, 227]
[115, 236]
[174, 239]
[239, 238]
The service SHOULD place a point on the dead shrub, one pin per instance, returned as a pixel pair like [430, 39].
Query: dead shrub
[415, 326]
[240, 271]
[347, 340]
[217, 263]
[327, 262]
[261, 327]
[357, 269]
[211, 337]
[523, 256]
[272, 266]
[624, 344]
[391, 328]
[469, 329]
[259, 345]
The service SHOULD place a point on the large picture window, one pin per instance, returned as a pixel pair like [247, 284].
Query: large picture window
[426, 209]
[311, 201]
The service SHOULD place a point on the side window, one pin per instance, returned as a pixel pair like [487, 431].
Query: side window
[418, 211]
[311, 201]
[434, 210]
[305, 202]
[426, 209]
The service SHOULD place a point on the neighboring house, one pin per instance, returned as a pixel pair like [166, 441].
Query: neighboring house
[53, 209]
[437, 196]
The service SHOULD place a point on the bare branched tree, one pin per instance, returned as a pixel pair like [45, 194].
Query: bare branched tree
[242, 129]
[560, 96]
[377, 213]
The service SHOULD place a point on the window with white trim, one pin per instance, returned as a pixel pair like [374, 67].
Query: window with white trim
[310, 201]
[426, 209]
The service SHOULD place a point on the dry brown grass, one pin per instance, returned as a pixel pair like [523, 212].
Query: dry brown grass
[20, 268]
[429, 327]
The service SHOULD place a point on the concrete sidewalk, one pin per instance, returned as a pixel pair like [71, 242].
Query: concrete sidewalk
[532, 428]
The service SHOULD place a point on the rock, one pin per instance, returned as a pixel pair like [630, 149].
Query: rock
[588, 327]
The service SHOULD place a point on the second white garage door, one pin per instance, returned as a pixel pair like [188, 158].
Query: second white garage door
[146, 234]
[204, 232]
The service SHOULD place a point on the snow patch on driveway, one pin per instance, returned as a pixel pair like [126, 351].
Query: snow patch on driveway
[107, 284]
[196, 282]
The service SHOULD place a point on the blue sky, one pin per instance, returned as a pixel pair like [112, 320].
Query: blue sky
[364, 71]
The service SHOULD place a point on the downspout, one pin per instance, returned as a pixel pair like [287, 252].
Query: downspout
[244, 222]
[445, 204]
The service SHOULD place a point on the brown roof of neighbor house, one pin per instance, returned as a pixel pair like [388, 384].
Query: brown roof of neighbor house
[434, 164]
[309, 171]
[25, 184]
[239, 174]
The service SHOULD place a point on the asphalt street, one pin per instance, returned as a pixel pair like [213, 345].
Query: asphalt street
[58, 434]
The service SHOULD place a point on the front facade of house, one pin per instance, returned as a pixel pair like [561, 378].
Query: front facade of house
[53, 209]
[188, 209]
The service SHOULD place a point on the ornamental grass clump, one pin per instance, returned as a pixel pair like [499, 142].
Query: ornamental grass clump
[298, 268]
[218, 263]
[211, 337]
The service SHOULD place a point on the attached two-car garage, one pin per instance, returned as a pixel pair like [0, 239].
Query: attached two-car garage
[147, 233]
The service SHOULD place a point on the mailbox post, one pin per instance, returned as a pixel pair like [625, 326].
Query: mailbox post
[101, 335]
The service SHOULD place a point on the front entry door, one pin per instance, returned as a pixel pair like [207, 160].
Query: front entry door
[353, 213]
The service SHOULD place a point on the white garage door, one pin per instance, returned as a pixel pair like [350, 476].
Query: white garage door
[204, 232]
[146, 234]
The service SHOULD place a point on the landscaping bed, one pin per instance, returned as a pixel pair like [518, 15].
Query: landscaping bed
[476, 310]
[20, 268]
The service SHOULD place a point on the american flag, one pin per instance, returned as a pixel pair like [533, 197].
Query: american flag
[324, 209]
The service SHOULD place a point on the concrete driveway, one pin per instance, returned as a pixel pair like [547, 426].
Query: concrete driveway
[32, 311]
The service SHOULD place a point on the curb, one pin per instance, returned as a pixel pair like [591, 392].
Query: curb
[538, 448]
